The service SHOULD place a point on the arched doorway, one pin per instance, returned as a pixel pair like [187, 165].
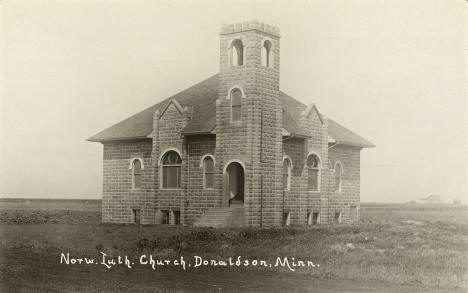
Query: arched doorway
[234, 185]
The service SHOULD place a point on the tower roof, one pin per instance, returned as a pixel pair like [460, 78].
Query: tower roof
[201, 100]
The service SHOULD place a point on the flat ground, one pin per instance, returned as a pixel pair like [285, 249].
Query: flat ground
[394, 248]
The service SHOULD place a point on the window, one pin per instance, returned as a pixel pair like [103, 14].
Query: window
[208, 172]
[165, 217]
[171, 165]
[313, 166]
[237, 53]
[286, 219]
[286, 174]
[236, 104]
[136, 173]
[313, 218]
[337, 218]
[353, 213]
[176, 217]
[136, 216]
[338, 176]
[266, 54]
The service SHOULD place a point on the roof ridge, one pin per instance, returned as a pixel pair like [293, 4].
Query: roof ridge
[201, 97]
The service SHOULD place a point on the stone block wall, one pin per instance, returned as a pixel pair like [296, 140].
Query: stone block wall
[199, 200]
[255, 141]
[119, 198]
[347, 200]
[167, 127]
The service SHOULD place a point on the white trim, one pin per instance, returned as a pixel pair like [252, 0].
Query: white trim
[310, 218]
[309, 109]
[161, 169]
[319, 173]
[288, 219]
[206, 156]
[242, 97]
[288, 184]
[203, 170]
[167, 150]
[234, 87]
[290, 160]
[233, 161]
[318, 156]
[231, 52]
[176, 105]
[136, 158]
[340, 189]
[341, 164]
[133, 171]
[270, 54]
[339, 217]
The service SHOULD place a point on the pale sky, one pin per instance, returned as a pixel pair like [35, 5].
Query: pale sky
[392, 71]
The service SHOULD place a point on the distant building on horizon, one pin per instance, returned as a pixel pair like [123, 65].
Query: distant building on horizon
[232, 150]
[431, 199]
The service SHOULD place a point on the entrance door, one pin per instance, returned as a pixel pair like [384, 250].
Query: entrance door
[234, 185]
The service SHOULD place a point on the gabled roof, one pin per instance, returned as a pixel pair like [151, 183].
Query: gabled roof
[201, 96]
[343, 135]
[200, 99]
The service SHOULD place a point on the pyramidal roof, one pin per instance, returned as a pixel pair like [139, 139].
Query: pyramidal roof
[201, 100]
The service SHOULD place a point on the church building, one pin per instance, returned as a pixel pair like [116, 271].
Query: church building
[232, 150]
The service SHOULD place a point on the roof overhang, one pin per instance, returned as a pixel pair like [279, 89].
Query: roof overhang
[198, 133]
[347, 143]
[118, 139]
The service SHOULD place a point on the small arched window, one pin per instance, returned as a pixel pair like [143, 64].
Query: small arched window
[266, 54]
[236, 104]
[338, 176]
[237, 53]
[136, 173]
[313, 166]
[208, 172]
[286, 174]
[171, 170]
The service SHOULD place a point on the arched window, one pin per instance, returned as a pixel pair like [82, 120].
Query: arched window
[313, 166]
[237, 53]
[136, 173]
[208, 172]
[236, 104]
[171, 166]
[286, 174]
[338, 176]
[266, 54]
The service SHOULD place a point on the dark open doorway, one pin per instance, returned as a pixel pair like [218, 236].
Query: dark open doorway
[234, 184]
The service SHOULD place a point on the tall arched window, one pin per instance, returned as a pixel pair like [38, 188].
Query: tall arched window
[236, 104]
[171, 166]
[266, 54]
[338, 176]
[208, 172]
[286, 174]
[313, 166]
[136, 173]
[237, 53]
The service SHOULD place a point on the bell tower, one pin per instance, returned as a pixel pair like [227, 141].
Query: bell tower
[249, 119]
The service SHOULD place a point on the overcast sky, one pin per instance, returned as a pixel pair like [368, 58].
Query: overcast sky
[392, 71]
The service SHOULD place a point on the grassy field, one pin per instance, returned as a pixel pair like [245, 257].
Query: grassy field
[392, 249]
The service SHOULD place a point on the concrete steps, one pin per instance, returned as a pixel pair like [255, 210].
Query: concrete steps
[222, 217]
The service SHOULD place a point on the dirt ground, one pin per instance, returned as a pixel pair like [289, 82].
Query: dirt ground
[389, 251]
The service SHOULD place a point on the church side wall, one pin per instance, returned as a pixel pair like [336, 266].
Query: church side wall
[199, 199]
[347, 200]
[119, 199]
[167, 136]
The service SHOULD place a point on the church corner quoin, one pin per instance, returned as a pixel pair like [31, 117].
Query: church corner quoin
[232, 150]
